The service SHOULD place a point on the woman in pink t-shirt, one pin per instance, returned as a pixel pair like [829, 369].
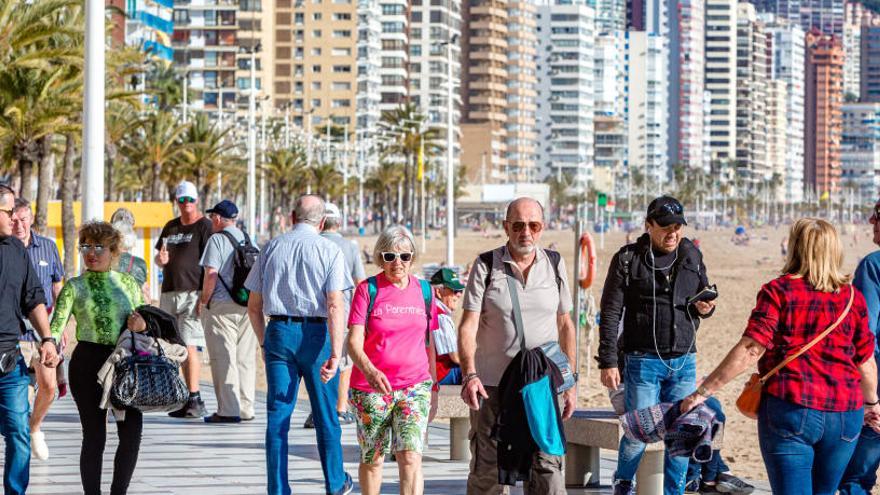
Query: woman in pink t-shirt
[392, 390]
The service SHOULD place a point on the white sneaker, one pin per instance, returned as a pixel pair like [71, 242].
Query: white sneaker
[39, 449]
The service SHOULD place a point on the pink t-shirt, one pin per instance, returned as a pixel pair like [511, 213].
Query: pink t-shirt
[395, 332]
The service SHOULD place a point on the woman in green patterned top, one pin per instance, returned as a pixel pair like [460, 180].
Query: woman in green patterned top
[103, 303]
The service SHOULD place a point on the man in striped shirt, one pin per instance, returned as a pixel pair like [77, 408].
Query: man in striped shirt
[43, 254]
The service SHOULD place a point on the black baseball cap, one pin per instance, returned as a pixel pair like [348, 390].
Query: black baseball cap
[666, 210]
[225, 209]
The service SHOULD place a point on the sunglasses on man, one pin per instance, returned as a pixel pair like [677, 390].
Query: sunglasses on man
[535, 227]
[185, 199]
[390, 257]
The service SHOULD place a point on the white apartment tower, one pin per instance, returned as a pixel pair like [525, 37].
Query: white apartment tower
[860, 151]
[852, 44]
[787, 54]
[566, 38]
[647, 109]
[394, 58]
[751, 98]
[609, 103]
[686, 83]
[721, 22]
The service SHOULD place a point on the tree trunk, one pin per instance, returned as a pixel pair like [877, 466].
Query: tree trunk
[44, 185]
[26, 176]
[68, 195]
[111, 162]
[156, 190]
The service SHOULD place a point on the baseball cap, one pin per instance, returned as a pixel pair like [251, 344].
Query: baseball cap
[666, 210]
[447, 278]
[225, 209]
[331, 211]
[186, 189]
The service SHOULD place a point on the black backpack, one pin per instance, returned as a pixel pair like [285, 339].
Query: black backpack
[244, 257]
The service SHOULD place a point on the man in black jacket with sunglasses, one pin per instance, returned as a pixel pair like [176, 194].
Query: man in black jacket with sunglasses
[20, 295]
[648, 288]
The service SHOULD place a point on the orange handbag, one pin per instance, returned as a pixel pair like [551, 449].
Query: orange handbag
[750, 398]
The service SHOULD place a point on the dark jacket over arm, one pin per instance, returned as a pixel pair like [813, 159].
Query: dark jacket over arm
[611, 314]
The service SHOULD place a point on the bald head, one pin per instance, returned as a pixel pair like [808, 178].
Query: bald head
[309, 209]
[524, 206]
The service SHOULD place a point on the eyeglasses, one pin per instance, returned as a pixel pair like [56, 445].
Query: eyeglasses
[8, 212]
[458, 292]
[535, 227]
[185, 199]
[670, 208]
[95, 248]
[390, 257]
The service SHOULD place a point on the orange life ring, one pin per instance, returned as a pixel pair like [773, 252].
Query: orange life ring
[588, 261]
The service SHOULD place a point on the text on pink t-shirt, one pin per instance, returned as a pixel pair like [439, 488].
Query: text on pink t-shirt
[395, 332]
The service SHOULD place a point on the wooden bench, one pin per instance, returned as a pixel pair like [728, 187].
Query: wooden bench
[451, 407]
[590, 430]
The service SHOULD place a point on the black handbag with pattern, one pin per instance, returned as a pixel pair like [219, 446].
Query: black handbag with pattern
[148, 383]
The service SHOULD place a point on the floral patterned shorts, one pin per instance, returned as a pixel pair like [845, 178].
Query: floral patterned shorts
[402, 414]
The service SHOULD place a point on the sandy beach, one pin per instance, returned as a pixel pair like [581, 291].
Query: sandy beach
[738, 271]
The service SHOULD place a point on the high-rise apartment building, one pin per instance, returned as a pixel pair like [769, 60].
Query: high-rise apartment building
[751, 98]
[824, 98]
[647, 108]
[825, 15]
[566, 40]
[433, 23]
[787, 57]
[609, 103]
[870, 63]
[721, 25]
[860, 150]
[256, 28]
[394, 68]
[149, 24]
[610, 15]
[686, 83]
[498, 88]
[315, 62]
[369, 59]
[852, 36]
[777, 139]
[205, 48]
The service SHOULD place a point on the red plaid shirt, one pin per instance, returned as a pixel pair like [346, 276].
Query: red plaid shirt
[789, 314]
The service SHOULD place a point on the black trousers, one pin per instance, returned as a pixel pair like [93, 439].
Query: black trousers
[87, 359]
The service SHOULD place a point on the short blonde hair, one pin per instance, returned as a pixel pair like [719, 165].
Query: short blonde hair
[393, 236]
[816, 254]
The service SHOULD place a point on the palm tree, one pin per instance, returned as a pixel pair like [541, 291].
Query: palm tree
[159, 143]
[559, 191]
[209, 150]
[382, 183]
[407, 125]
[285, 173]
[326, 180]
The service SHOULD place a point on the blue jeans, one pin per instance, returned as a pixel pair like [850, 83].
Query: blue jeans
[709, 471]
[295, 351]
[648, 381]
[861, 474]
[792, 437]
[14, 415]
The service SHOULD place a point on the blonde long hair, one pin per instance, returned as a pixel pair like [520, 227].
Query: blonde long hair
[816, 254]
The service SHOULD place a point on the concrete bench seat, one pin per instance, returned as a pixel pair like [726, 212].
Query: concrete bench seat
[451, 407]
[590, 430]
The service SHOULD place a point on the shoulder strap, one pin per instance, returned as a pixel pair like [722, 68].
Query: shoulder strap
[517, 311]
[488, 259]
[427, 296]
[555, 257]
[372, 290]
[231, 238]
[852, 294]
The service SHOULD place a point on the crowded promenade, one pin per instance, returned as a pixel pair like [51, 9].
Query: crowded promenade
[368, 349]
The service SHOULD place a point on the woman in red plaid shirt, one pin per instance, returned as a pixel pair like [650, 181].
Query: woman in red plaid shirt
[813, 409]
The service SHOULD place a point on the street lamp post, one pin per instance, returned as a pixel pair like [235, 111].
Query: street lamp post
[450, 166]
[252, 143]
[93, 114]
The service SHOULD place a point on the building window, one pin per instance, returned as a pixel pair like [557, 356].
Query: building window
[316, 68]
[341, 103]
[316, 33]
[342, 69]
[341, 86]
[316, 86]
[316, 102]
[341, 52]
[342, 33]
[342, 16]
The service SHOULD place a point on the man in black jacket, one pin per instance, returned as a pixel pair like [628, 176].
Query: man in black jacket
[647, 288]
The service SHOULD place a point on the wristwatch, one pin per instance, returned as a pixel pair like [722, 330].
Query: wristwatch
[702, 390]
[48, 339]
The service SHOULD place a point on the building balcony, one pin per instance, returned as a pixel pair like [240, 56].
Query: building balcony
[489, 71]
[498, 87]
[488, 115]
[476, 41]
[496, 27]
[499, 102]
[490, 56]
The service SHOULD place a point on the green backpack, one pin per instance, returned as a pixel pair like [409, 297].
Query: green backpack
[373, 289]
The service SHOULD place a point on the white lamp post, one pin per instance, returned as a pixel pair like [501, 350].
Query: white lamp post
[93, 114]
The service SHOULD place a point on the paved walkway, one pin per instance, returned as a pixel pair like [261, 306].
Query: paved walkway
[191, 457]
